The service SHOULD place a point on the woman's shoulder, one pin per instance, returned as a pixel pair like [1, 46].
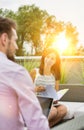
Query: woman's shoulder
[34, 72]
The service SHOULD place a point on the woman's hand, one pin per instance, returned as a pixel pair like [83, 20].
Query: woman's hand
[40, 88]
[55, 102]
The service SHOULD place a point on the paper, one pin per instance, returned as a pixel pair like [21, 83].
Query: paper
[61, 93]
[51, 93]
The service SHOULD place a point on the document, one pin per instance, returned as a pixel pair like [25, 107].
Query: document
[51, 93]
[61, 93]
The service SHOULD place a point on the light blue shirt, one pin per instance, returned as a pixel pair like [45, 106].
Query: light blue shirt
[17, 99]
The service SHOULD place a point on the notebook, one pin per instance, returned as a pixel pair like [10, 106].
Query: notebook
[46, 104]
[51, 93]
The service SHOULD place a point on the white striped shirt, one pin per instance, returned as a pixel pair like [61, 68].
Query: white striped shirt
[44, 80]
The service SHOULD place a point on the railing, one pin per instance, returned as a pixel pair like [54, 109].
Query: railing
[72, 67]
[39, 57]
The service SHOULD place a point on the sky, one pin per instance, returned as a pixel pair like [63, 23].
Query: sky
[64, 10]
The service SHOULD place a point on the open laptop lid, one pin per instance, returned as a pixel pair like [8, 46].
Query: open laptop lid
[46, 104]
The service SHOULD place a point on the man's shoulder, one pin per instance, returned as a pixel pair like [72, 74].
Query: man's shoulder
[15, 66]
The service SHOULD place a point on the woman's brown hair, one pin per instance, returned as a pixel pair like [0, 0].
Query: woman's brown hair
[55, 70]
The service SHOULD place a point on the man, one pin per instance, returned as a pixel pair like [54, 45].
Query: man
[18, 103]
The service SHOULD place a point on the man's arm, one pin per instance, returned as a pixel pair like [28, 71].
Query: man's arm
[29, 104]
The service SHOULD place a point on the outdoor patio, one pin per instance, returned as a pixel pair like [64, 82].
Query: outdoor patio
[73, 79]
[74, 99]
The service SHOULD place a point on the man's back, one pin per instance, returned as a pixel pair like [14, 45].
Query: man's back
[17, 97]
[9, 113]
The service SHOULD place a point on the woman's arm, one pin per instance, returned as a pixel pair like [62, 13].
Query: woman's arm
[33, 74]
[57, 85]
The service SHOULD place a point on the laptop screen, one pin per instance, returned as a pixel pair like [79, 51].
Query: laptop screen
[46, 104]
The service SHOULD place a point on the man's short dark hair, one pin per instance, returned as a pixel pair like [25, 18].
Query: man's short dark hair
[6, 25]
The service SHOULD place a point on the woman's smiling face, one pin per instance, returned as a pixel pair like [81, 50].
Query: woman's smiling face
[50, 59]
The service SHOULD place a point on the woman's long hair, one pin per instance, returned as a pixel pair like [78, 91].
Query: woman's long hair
[55, 70]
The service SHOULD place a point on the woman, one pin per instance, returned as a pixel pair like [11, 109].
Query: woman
[48, 67]
[49, 74]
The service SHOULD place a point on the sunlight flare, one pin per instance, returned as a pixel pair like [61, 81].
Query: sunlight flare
[61, 43]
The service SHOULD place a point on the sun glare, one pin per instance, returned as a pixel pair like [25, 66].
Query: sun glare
[61, 43]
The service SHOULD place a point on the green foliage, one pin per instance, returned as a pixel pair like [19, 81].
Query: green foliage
[69, 69]
[8, 13]
[63, 79]
[29, 64]
[33, 23]
[72, 36]
[71, 33]
[82, 66]
[80, 50]
[51, 29]
[30, 22]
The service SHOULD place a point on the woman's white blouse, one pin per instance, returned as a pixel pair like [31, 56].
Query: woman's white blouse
[44, 80]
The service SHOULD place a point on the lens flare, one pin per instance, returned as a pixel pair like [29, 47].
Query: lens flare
[61, 43]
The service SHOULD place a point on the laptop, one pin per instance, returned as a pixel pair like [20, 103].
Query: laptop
[46, 104]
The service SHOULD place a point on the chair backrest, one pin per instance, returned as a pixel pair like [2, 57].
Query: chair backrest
[75, 93]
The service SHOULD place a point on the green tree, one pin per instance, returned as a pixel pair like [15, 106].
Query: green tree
[52, 28]
[80, 50]
[72, 36]
[8, 13]
[30, 21]
[1, 12]
[33, 23]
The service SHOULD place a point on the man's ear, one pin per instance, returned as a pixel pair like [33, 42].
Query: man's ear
[4, 38]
